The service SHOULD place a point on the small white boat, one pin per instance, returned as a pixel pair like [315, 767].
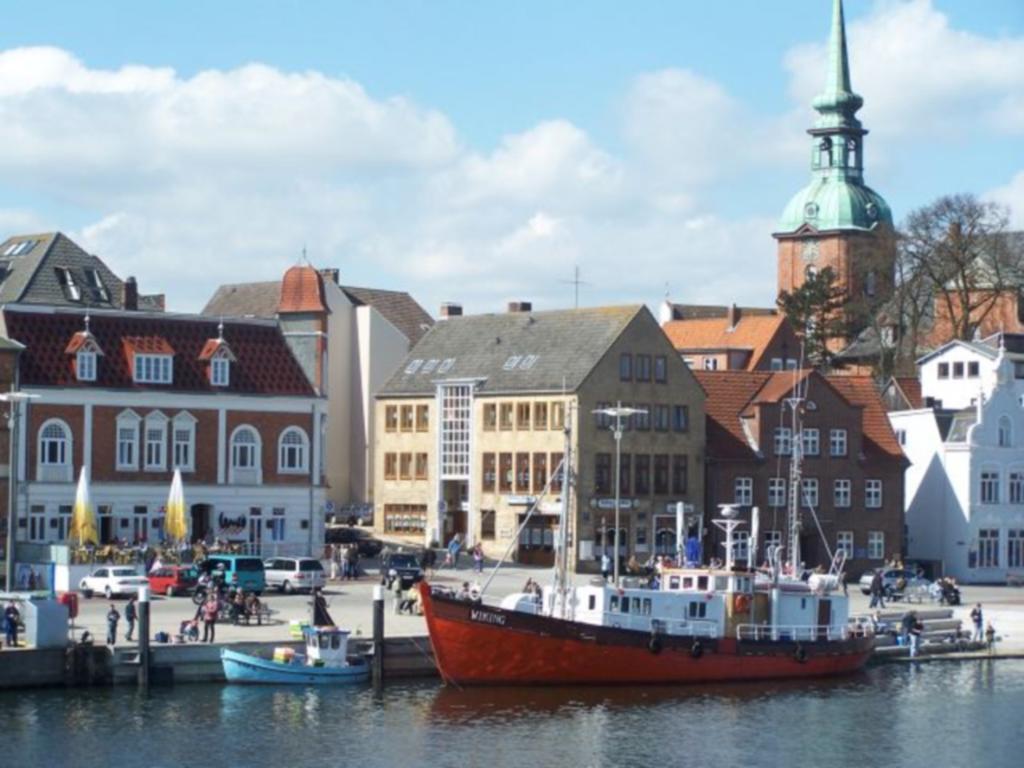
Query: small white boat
[325, 662]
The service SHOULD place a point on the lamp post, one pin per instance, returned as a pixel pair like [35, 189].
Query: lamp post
[14, 400]
[618, 412]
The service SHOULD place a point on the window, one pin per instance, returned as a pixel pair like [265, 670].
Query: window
[528, 362]
[128, 440]
[95, 282]
[844, 542]
[85, 365]
[558, 472]
[625, 472]
[841, 493]
[837, 442]
[454, 420]
[487, 518]
[680, 480]
[390, 466]
[220, 371]
[680, 418]
[405, 466]
[958, 370]
[710, 363]
[183, 437]
[245, 453]
[661, 477]
[391, 418]
[55, 444]
[153, 369]
[809, 490]
[783, 442]
[155, 457]
[772, 539]
[776, 364]
[873, 494]
[66, 280]
[413, 366]
[429, 365]
[901, 436]
[422, 418]
[602, 419]
[511, 363]
[37, 524]
[490, 470]
[776, 491]
[406, 419]
[642, 420]
[505, 472]
[943, 370]
[540, 471]
[522, 415]
[293, 451]
[1015, 548]
[405, 518]
[1017, 486]
[625, 367]
[876, 545]
[812, 441]
[743, 488]
[741, 546]
[643, 475]
[643, 367]
[557, 416]
[602, 473]
[660, 369]
[661, 418]
[988, 548]
[505, 417]
[277, 523]
[972, 370]
[490, 417]
[540, 415]
[989, 487]
[1005, 432]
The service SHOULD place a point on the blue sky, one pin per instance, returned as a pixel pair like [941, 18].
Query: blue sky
[477, 151]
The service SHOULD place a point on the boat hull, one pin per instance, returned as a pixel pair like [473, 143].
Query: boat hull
[244, 668]
[483, 645]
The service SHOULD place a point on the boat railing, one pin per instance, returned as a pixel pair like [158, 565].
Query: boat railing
[792, 632]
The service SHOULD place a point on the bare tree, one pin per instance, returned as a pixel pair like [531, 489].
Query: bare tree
[958, 250]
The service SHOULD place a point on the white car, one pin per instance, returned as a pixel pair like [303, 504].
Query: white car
[291, 574]
[115, 580]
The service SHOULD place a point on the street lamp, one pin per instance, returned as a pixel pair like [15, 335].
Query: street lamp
[618, 412]
[14, 400]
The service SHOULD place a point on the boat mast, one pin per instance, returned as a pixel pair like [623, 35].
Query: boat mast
[561, 592]
[795, 402]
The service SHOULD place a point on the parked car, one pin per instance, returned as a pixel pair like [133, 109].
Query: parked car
[243, 571]
[402, 567]
[112, 581]
[891, 577]
[292, 574]
[366, 545]
[173, 580]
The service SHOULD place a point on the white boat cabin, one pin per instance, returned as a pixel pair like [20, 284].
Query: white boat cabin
[326, 646]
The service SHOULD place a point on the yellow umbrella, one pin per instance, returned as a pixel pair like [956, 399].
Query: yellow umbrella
[83, 518]
[175, 527]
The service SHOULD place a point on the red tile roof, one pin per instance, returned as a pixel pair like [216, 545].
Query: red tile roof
[729, 393]
[80, 340]
[910, 386]
[302, 290]
[147, 345]
[212, 346]
[751, 332]
[265, 364]
[879, 439]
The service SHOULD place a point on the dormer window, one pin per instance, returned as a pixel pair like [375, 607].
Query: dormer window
[67, 283]
[85, 365]
[220, 371]
[218, 356]
[153, 369]
[86, 352]
[95, 282]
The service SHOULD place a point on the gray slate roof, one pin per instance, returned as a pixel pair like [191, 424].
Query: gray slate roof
[261, 300]
[514, 352]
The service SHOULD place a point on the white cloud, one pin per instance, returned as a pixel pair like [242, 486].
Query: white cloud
[1012, 196]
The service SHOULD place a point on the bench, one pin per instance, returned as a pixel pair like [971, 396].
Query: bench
[262, 614]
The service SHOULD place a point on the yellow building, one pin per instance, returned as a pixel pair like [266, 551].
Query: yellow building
[505, 387]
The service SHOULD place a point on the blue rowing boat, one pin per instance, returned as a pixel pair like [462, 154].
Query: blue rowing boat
[324, 663]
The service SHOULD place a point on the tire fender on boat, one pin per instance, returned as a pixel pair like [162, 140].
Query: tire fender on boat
[800, 654]
[654, 645]
[697, 649]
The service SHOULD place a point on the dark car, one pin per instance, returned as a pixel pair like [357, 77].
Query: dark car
[366, 545]
[402, 567]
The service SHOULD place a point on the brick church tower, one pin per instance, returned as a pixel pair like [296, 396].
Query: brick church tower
[837, 221]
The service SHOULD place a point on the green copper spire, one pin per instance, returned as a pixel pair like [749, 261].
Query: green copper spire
[838, 103]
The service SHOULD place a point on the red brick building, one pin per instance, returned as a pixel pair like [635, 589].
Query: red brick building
[134, 395]
[732, 339]
[852, 479]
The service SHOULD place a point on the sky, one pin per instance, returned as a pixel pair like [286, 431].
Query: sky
[478, 152]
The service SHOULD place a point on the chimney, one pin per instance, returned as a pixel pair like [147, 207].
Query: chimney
[734, 316]
[131, 294]
[520, 306]
[448, 309]
[331, 274]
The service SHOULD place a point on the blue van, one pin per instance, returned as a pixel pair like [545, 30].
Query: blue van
[245, 571]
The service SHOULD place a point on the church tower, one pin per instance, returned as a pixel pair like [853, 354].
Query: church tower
[837, 221]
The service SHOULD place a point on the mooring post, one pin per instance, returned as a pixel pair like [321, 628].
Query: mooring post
[144, 637]
[378, 635]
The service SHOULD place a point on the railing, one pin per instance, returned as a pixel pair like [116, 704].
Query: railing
[791, 632]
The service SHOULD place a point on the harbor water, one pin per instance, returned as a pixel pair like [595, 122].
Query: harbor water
[931, 715]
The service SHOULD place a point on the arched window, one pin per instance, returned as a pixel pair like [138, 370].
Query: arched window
[1005, 432]
[245, 455]
[54, 458]
[293, 451]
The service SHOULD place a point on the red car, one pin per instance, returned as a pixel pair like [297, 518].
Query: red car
[173, 580]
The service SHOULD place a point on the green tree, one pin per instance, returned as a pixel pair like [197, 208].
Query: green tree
[814, 310]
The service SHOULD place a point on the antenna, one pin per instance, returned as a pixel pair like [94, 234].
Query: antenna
[576, 283]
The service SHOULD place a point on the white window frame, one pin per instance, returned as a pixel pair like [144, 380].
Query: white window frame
[293, 457]
[741, 545]
[782, 441]
[1015, 485]
[812, 441]
[153, 369]
[988, 548]
[776, 491]
[710, 363]
[183, 423]
[154, 446]
[876, 545]
[809, 496]
[838, 444]
[873, 494]
[844, 543]
[59, 470]
[988, 486]
[127, 420]
[772, 538]
[220, 371]
[1005, 432]
[842, 493]
[743, 491]
[249, 472]
[85, 365]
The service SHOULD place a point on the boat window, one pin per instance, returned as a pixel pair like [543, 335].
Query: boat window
[324, 641]
[625, 605]
[721, 583]
[647, 606]
[688, 582]
[311, 641]
[673, 582]
[592, 602]
[803, 603]
[697, 610]
[613, 603]
[335, 642]
[702, 582]
[636, 605]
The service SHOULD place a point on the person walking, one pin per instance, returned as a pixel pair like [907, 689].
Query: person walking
[453, 551]
[210, 610]
[877, 591]
[978, 619]
[606, 566]
[130, 615]
[11, 618]
[478, 558]
[113, 616]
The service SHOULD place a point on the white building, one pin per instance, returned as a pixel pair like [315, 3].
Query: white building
[965, 484]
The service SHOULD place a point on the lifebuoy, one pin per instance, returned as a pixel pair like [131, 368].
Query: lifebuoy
[697, 649]
[741, 603]
[800, 654]
[654, 645]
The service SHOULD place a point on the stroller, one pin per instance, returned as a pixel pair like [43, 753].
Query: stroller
[188, 631]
